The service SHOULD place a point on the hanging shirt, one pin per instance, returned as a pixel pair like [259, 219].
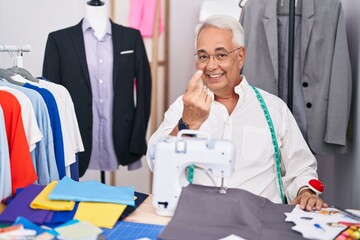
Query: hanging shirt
[247, 128]
[32, 131]
[5, 177]
[21, 166]
[71, 133]
[55, 126]
[99, 57]
[44, 154]
[142, 16]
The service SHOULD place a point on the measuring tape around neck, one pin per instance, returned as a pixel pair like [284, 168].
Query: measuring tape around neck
[274, 140]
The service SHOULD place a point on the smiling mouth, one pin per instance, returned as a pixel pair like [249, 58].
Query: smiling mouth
[214, 76]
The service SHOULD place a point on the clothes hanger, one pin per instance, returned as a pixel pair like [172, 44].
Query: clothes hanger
[95, 3]
[6, 75]
[242, 3]
[23, 72]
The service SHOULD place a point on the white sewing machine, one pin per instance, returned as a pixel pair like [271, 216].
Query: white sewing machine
[173, 155]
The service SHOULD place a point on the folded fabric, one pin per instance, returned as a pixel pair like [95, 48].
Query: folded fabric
[18, 234]
[29, 225]
[42, 200]
[78, 230]
[91, 191]
[100, 214]
[20, 206]
[60, 217]
[140, 197]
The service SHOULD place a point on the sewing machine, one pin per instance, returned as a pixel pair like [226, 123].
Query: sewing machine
[173, 155]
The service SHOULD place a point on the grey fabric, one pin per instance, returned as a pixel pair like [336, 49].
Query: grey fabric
[204, 213]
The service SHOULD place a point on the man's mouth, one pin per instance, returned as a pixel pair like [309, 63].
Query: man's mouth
[214, 76]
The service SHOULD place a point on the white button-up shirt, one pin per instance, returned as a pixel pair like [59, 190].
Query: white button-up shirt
[248, 129]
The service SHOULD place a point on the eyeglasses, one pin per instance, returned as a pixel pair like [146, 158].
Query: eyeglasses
[220, 56]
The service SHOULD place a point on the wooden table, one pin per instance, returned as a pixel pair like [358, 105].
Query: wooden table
[145, 213]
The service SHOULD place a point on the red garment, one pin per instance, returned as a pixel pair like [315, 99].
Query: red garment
[22, 169]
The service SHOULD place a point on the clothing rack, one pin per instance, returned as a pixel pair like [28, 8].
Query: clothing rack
[11, 49]
[291, 53]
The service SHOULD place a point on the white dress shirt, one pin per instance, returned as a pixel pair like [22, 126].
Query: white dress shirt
[246, 126]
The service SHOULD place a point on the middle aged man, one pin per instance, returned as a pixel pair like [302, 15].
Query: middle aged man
[220, 101]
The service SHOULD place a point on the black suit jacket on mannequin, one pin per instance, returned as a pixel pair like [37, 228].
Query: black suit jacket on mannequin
[65, 64]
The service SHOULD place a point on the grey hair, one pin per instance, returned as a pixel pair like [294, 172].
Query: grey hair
[223, 22]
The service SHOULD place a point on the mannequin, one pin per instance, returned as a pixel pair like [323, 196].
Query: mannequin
[97, 61]
[97, 15]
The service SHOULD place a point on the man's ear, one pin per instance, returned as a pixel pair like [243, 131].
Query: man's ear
[242, 55]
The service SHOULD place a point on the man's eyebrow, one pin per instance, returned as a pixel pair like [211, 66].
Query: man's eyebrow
[220, 49]
[201, 51]
[216, 49]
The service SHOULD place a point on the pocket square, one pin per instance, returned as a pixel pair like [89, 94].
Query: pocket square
[127, 52]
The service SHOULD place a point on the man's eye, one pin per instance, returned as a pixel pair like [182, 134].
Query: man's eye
[203, 57]
[221, 56]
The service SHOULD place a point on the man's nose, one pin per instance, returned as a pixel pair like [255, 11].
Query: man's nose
[212, 63]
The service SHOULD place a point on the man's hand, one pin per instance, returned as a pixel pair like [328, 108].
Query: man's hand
[197, 102]
[308, 200]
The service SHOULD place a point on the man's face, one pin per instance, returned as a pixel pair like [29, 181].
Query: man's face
[220, 75]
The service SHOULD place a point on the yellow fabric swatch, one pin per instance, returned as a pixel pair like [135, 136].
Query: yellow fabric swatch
[100, 214]
[42, 200]
[2, 207]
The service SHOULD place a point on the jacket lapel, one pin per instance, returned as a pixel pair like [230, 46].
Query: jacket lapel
[270, 26]
[117, 37]
[79, 46]
[307, 25]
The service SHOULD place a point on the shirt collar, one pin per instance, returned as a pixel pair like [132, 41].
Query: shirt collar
[86, 25]
[240, 89]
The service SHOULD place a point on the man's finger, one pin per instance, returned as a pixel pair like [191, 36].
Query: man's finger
[195, 80]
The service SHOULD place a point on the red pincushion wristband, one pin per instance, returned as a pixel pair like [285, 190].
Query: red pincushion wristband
[316, 185]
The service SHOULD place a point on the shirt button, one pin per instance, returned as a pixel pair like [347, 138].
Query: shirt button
[100, 61]
[100, 81]
[308, 105]
[305, 84]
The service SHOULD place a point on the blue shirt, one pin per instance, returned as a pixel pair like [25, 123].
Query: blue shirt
[5, 177]
[55, 126]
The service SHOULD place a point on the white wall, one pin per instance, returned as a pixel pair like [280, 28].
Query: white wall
[29, 22]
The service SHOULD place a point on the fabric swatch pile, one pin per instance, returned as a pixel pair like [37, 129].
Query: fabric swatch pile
[65, 205]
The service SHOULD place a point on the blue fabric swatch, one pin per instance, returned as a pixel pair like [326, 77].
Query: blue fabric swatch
[92, 191]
